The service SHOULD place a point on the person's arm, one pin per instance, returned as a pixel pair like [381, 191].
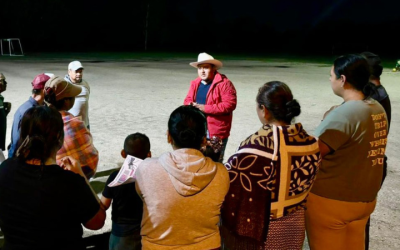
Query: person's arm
[138, 181]
[324, 149]
[228, 100]
[190, 97]
[333, 132]
[79, 135]
[138, 191]
[89, 150]
[106, 202]
[97, 221]
[108, 192]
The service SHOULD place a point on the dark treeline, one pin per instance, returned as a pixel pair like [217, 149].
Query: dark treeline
[117, 25]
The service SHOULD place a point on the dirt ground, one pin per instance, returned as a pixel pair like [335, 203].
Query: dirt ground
[138, 96]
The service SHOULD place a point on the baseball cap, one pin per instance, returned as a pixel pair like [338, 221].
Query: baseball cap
[2, 77]
[75, 65]
[62, 88]
[40, 81]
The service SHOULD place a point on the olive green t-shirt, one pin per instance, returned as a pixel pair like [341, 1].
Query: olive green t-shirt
[356, 131]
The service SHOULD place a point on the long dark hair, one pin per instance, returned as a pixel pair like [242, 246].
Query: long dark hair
[41, 134]
[357, 72]
[277, 97]
[187, 126]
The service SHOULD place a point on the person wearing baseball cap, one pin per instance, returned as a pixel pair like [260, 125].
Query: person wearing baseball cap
[5, 108]
[78, 142]
[36, 99]
[81, 106]
[213, 94]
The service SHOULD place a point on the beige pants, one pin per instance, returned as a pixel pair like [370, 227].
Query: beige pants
[336, 225]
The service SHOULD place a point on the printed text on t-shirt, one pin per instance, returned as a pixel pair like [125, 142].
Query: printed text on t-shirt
[378, 145]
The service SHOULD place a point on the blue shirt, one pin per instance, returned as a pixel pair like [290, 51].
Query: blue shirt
[202, 91]
[16, 123]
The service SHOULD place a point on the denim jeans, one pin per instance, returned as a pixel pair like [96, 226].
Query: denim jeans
[130, 242]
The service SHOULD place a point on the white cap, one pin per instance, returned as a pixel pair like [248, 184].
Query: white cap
[75, 65]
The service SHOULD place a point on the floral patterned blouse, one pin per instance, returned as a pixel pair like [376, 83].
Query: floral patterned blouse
[271, 173]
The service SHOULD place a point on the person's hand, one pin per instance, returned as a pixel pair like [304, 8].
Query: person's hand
[199, 106]
[70, 164]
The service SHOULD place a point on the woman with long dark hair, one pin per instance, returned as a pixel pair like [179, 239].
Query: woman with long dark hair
[271, 174]
[42, 204]
[352, 140]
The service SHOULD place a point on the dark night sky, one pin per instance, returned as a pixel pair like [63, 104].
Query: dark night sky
[183, 25]
[293, 13]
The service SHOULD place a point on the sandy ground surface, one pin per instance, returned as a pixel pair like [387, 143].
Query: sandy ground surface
[138, 96]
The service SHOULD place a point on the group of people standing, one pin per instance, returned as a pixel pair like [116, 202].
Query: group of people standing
[279, 183]
[42, 206]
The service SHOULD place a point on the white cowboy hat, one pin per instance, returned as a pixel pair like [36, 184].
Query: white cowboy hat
[206, 58]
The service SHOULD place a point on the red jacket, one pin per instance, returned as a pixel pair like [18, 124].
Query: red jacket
[220, 104]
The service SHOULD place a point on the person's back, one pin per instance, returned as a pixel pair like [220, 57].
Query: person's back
[182, 190]
[78, 142]
[44, 206]
[127, 206]
[382, 97]
[271, 173]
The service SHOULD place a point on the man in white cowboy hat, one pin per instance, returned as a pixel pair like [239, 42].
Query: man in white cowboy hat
[214, 94]
[81, 106]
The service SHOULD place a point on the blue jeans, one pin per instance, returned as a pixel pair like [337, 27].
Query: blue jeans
[130, 242]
